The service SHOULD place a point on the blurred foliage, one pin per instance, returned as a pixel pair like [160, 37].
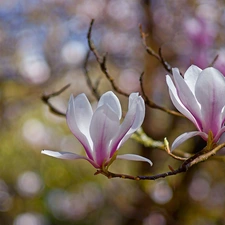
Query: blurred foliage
[43, 47]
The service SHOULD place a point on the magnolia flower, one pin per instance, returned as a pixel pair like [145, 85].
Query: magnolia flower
[199, 96]
[100, 132]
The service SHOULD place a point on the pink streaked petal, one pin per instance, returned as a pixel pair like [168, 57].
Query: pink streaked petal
[185, 136]
[139, 118]
[133, 157]
[104, 126]
[178, 104]
[67, 156]
[186, 96]
[112, 101]
[191, 76]
[210, 89]
[223, 116]
[132, 120]
[78, 115]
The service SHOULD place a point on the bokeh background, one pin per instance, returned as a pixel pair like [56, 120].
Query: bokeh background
[43, 47]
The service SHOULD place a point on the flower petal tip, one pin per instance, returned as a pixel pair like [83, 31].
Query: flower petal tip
[133, 157]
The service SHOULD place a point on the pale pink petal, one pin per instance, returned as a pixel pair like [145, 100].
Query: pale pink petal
[104, 126]
[134, 158]
[68, 156]
[191, 76]
[111, 99]
[132, 121]
[177, 103]
[139, 117]
[183, 137]
[79, 114]
[210, 92]
[186, 96]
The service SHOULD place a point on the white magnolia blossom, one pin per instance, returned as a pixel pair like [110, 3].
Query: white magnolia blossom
[100, 132]
[199, 96]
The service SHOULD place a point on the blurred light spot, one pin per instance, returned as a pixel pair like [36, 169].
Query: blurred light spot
[129, 81]
[163, 18]
[155, 218]
[116, 42]
[93, 195]
[199, 188]
[125, 12]
[161, 192]
[71, 144]
[35, 69]
[30, 219]
[5, 198]
[207, 11]
[202, 221]
[34, 132]
[73, 52]
[29, 184]
[92, 10]
[66, 205]
[200, 32]
[217, 195]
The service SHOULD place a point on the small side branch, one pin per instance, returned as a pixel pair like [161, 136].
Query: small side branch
[102, 61]
[151, 52]
[151, 104]
[45, 98]
[93, 88]
[102, 64]
[214, 60]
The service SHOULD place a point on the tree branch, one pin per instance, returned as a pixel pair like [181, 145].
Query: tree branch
[102, 64]
[151, 52]
[151, 104]
[92, 87]
[195, 159]
[45, 98]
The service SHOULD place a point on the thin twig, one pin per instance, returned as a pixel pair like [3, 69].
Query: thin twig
[165, 64]
[151, 52]
[93, 88]
[214, 60]
[151, 104]
[45, 98]
[102, 63]
[195, 159]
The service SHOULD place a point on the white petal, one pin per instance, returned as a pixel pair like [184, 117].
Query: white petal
[191, 76]
[186, 96]
[63, 155]
[139, 117]
[68, 156]
[104, 126]
[183, 137]
[134, 158]
[177, 103]
[111, 99]
[132, 121]
[210, 92]
[79, 114]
